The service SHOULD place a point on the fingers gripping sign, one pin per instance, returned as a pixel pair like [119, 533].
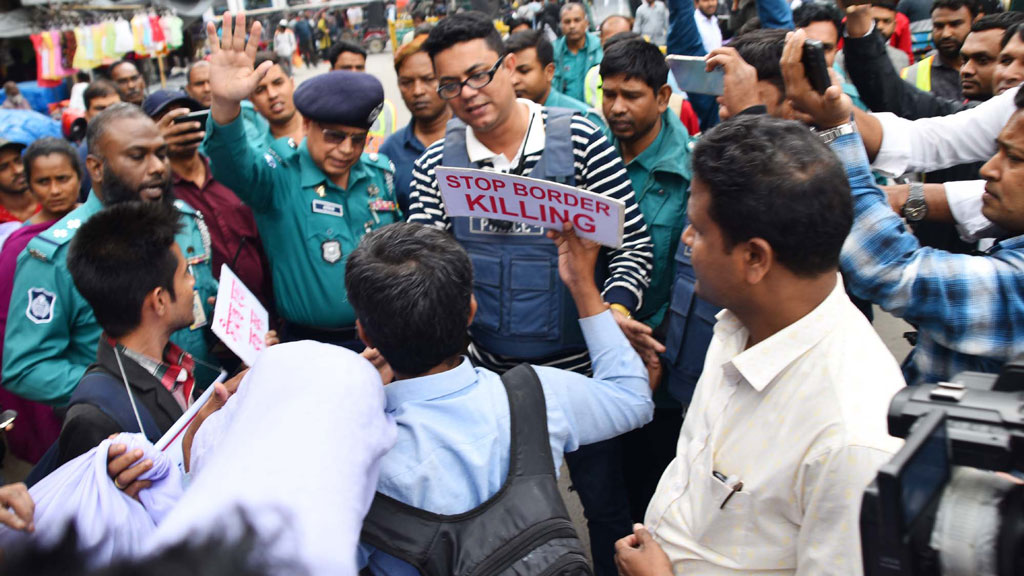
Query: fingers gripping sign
[232, 76]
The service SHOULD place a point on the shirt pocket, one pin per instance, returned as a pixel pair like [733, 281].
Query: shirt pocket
[723, 529]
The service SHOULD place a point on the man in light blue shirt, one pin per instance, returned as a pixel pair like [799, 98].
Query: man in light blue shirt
[412, 289]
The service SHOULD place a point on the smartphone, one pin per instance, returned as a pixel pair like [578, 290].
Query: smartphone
[691, 77]
[814, 66]
[198, 116]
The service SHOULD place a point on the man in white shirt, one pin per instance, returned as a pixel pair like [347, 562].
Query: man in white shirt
[707, 23]
[787, 425]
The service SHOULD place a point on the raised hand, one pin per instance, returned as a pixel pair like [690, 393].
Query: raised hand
[740, 89]
[232, 76]
[577, 258]
[827, 110]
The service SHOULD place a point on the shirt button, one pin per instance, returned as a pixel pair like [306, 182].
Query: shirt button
[330, 231]
[661, 191]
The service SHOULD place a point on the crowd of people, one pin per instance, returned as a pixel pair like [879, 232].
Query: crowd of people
[713, 382]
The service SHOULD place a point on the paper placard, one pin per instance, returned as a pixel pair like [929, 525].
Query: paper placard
[239, 320]
[170, 442]
[497, 196]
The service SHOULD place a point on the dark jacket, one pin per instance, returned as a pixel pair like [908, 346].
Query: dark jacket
[881, 87]
[85, 425]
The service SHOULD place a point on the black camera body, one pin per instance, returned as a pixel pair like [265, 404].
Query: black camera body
[920, 509]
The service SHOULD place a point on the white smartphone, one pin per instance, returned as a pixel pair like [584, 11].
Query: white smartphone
[691, 76]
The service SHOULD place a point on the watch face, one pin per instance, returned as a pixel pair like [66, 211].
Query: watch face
[914, 213]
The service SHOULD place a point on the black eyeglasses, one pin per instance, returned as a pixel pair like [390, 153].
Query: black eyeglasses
[336, 137]
[450, 90]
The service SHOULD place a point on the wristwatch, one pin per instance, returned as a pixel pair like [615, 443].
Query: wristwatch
[915, 209]
[827, 136]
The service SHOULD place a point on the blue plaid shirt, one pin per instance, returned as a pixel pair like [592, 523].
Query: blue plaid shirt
[969, 310]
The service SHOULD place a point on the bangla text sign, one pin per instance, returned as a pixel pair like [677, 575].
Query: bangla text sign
[497, 196]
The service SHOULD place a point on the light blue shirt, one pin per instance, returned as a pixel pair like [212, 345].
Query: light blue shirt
[452, 452]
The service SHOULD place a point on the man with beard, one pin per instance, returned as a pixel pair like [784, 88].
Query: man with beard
[51, 330]
[430, 114]
[130, 84]
[16, 204]
[939, 71]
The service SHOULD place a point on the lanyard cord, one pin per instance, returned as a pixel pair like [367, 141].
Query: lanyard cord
[127, 389]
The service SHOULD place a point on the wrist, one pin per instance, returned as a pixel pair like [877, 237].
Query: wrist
[621, 310]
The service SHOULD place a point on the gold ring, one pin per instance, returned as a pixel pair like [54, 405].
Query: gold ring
[119, 487]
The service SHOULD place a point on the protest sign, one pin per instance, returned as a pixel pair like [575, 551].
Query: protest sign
[497, 196]
[239, 320]
[170, 442]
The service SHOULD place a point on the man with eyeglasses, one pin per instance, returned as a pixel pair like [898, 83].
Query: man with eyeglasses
[312, 203]
[131, 86]
[524, 314]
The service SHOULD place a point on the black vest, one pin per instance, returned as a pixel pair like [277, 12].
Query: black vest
[524, 529]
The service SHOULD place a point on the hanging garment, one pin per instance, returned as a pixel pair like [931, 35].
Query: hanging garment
[124, 37]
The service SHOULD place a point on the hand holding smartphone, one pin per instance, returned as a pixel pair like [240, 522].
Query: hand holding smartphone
[814, 66]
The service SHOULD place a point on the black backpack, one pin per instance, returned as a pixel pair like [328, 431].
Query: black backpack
[523, 530]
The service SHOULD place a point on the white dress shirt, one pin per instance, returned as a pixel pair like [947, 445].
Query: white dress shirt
[710, 33]
[928, 144]
[800, 420]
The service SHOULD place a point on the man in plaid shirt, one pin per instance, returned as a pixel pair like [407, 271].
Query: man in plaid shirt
[968, 309]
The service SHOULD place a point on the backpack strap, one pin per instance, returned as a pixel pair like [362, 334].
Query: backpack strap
[530, 447]
[102, 390]
[107, 393]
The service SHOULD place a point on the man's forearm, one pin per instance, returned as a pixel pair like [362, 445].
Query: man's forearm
[934, 198]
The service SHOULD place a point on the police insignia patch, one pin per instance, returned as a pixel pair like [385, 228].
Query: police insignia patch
[270, 160]
[331, 251]
[41, 303]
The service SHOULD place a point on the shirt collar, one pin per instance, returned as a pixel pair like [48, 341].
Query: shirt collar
[206, 182]
[176, 368]
[1015, 243]
[534, 139]
[762, 363]
[409, 139]
[430, 387]
[313, 176]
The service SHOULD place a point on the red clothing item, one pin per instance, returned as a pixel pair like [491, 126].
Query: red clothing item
[689, 118]
[901, 36]
[233, 234]
[37, 426]
[6, 216]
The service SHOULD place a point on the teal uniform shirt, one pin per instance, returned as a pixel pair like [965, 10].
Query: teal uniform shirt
[661, 181]
[51, 330]
[308, 224]
[571, 69]
[558, 100]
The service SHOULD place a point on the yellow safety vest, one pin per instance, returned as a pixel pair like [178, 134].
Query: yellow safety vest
[592, 84]
[385, 125]
[920, 74]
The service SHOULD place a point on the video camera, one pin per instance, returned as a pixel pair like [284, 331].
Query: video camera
[922, 515]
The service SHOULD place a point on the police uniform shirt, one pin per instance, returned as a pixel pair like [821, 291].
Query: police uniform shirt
[308, 224]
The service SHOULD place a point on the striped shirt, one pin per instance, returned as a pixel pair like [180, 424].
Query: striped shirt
[598, 169]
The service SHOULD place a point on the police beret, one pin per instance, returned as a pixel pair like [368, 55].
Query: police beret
[341, 97]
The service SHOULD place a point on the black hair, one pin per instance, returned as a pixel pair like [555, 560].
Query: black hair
[1000, 21]
[216, 554]
[809, 12]
[1018, 100]
[887, 4]
[1017, 29]
[989, 7]
[410, 286]
[762, 49]
[622, 37]
[531, 39]
[753, 23]
[98, 125]
[120, 255]
[636, 59]
[268, 56]
[513, 22]
[98, 89]
[341, 46]
[114, 66]
[463, 27]
[47, 146]
[774, 179]
[955, 5]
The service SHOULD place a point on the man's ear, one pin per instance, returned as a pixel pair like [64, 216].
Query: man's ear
[758, 259]
[472, 309]
[662, 96]
[549, 72]
[94, 165]
[157, 301]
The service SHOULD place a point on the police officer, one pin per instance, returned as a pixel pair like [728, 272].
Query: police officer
[51, 332]
[313, 202]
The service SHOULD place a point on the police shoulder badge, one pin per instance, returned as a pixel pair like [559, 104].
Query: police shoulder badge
[41, 303]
